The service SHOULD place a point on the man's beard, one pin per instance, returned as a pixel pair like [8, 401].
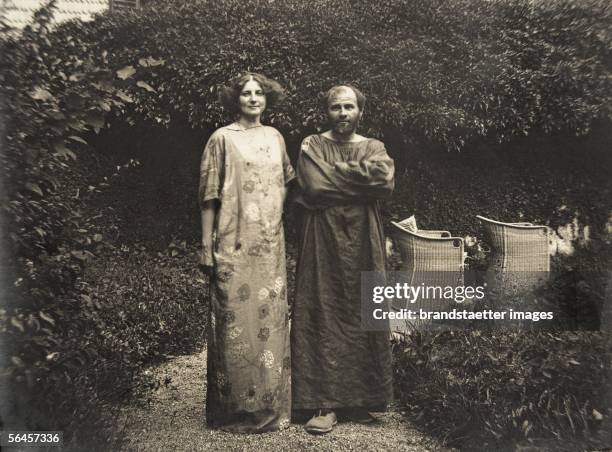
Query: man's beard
[347, 128]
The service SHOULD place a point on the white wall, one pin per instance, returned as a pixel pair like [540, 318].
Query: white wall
[18, 13]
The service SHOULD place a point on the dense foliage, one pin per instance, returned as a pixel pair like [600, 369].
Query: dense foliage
[437, 73]
[434, 71]
[541, 179]
[57, 330]
[482, 391]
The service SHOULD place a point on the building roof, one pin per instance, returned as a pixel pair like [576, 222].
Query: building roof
[19, 13]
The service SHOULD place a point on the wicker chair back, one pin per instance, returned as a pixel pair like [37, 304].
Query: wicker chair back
[430, 259]
[520, 258]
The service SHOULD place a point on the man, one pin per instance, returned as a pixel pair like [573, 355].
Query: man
[339, 369]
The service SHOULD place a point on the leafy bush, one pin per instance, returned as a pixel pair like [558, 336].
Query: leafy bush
[543, 180]
[149, 304]
[52, 100]
[155, 200]
[498, 68]
[578, 289]
[485, 390]
[492, 387]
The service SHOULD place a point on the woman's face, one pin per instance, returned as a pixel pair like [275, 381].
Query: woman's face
[252, 99]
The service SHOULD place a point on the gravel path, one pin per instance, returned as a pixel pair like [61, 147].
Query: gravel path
[173, 419]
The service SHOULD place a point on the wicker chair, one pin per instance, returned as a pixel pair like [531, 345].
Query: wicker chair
[520, 258]
[431, 258]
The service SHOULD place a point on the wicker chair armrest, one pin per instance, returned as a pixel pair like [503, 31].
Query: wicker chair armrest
[428, 235]
[521, 225]
[433, 233]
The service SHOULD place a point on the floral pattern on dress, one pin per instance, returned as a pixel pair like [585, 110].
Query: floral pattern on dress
[278, 284]
[226, 317]
[268, 399]
[237, 350]
[255, 250]
[244, 292]
[248, 341]
[264, 334]
[249, 186]
[267, 359]
[224, 384]
[234, 332]
[263, 294]
[264, 310]
[252, 212]
[225, 272]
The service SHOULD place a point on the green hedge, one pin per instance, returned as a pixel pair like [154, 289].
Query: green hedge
[434, 71]
[549, 180]
[57, 331]
[485, 390]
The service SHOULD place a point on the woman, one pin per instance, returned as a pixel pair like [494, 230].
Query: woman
[243, 175]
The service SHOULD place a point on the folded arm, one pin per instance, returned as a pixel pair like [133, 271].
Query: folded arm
[372, 175]
[364, 180]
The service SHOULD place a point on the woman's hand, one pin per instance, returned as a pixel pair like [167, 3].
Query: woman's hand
[206, 265]
[206, 270]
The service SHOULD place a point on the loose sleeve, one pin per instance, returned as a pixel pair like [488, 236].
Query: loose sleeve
[288, 172]
[316, 189]
[365, 180]
[374, 173]
[212, 169]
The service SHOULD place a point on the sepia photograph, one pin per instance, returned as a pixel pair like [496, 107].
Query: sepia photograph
[306, 225]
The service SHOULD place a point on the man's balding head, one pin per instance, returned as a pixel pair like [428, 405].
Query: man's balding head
[340, 90]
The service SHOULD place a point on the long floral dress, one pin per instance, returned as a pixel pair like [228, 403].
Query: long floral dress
[249, 361]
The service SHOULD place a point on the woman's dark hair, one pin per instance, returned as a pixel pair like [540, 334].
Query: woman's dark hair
[229, 95]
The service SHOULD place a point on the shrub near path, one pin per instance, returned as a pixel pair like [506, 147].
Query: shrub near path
[151, 303]
[491, 390]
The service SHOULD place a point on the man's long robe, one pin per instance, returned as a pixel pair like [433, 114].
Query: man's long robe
[335, 363]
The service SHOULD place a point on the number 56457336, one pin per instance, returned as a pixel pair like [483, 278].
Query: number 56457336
[47, 438]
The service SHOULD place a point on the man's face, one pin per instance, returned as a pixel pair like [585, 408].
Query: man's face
[343, 112]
